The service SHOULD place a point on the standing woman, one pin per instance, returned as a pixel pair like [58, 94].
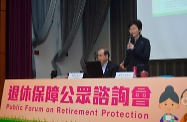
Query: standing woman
[138, 50]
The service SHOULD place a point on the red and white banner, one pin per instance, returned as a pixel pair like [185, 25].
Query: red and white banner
[95, 100]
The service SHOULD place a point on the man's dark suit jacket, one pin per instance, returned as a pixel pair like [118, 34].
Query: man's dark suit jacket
[110, 70]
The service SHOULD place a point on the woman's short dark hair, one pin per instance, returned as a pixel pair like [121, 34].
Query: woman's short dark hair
[136, 22]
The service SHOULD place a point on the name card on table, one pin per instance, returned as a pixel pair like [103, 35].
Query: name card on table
[124, 74]
[75, 75]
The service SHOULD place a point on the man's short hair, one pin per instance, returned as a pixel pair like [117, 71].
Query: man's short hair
[106, 52]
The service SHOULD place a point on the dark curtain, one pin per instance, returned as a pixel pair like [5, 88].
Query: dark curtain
[177, 67]
[19, 40]
[42, 19]
[71, 16]
[122, 11]
[94, 16]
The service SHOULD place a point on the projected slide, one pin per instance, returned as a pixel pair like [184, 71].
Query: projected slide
[168, 7]
[166, 30]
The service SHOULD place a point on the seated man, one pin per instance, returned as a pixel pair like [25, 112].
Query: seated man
[109, 68]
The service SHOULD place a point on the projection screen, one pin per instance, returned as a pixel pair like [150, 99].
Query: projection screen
[165, 25]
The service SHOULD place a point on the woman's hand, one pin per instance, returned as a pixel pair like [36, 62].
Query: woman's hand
[122, 66]
[130, 46]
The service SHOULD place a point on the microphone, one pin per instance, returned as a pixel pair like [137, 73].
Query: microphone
[130, 38]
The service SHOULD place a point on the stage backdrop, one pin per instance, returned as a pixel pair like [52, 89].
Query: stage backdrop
[93, 100]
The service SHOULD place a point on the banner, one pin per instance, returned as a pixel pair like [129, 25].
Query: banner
[95, 100]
